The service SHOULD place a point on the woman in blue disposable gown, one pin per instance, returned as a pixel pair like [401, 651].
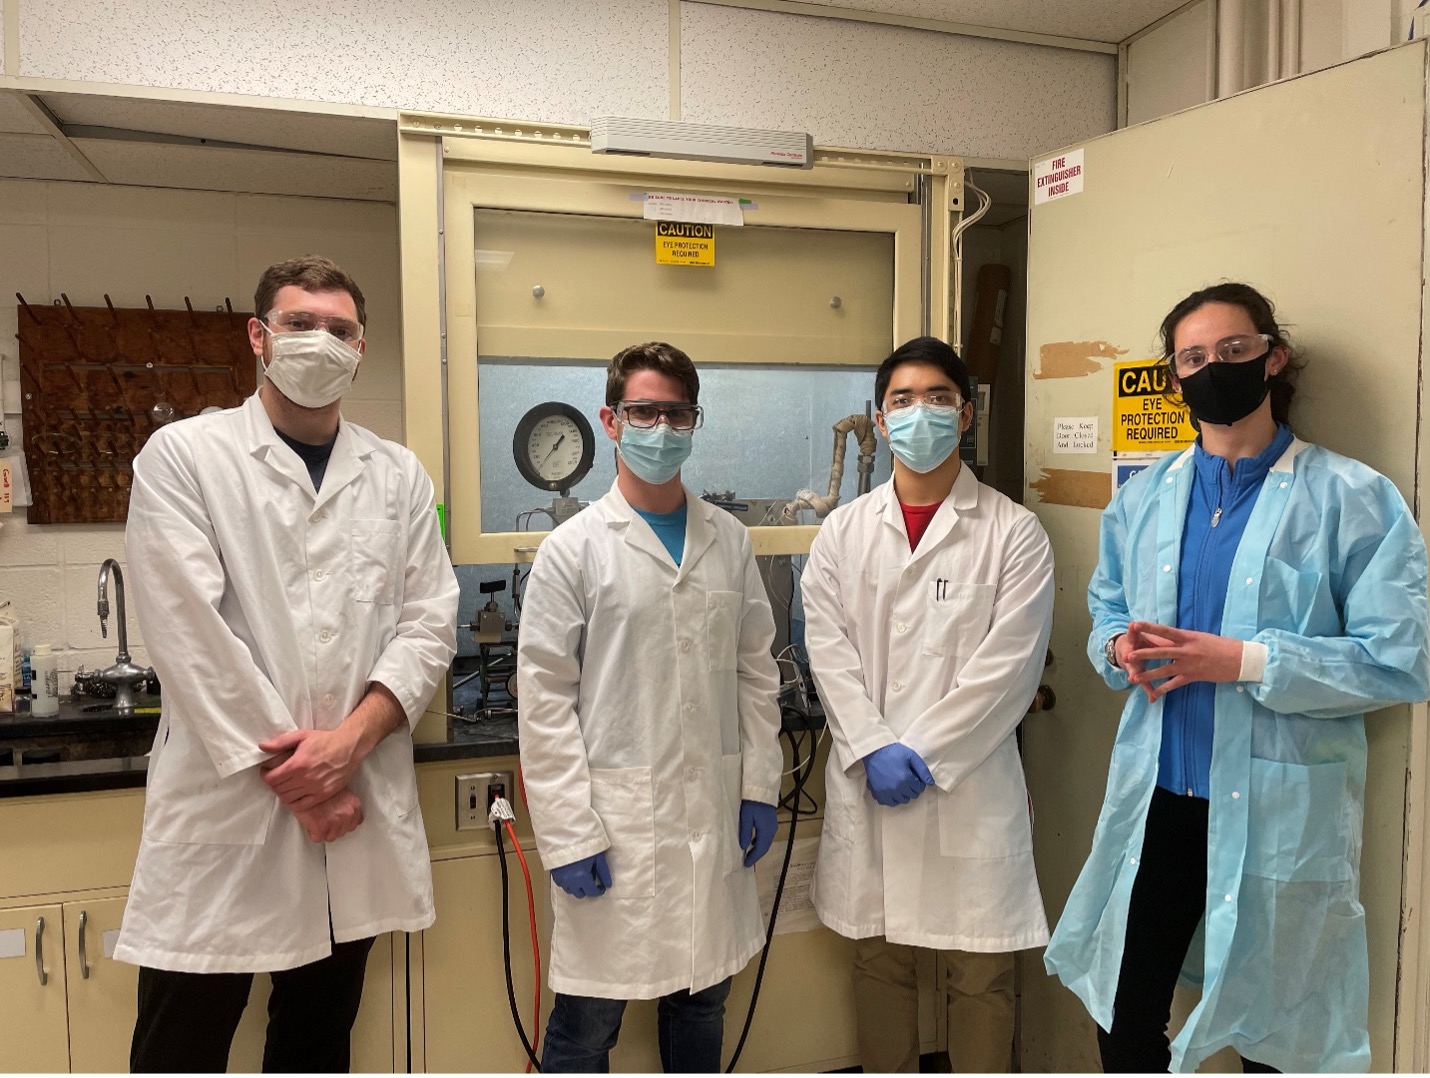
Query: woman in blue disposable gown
[1258, 594]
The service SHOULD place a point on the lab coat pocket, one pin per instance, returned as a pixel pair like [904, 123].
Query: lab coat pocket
[624, 799]
[723, 626]
[988, 814]
[233, 811]
[731, 785]
[956, 617]
[1300, 826]
[377, 560]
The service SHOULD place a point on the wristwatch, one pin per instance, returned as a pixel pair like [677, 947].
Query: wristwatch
[1109, 650]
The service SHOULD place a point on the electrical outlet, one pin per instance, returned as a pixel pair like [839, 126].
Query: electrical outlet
[475, 794]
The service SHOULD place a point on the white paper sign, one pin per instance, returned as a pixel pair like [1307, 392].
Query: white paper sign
[697, 209]
[12, 943]
[1075, 434]
[1057, 177]
[797, 903]
[107, 942]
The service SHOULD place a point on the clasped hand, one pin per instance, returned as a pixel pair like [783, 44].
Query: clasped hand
[309, 772]
[310, 766]
[896, 774]
[1188, 656]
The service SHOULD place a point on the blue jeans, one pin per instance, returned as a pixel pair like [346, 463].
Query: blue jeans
[690, 1026]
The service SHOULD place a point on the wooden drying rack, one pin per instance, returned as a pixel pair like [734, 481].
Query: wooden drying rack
[95, 382]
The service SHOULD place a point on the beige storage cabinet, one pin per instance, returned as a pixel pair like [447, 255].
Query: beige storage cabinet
[68, 860]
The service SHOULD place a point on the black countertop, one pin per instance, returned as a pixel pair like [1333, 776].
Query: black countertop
[99, 748]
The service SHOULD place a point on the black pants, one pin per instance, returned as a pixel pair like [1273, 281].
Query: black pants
[187, 1020]
[1169, 897]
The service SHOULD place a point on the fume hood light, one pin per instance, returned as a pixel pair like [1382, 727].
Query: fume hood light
[701, 142]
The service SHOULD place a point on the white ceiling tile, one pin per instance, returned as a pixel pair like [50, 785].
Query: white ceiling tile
[348, 136]
[212, 168]
[15, 117]
[37, 157]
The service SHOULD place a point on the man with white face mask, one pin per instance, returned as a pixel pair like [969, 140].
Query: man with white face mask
[928, 606]
[298, 604]
[649, 736]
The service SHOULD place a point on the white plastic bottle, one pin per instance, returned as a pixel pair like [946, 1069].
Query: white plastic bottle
[44, 682]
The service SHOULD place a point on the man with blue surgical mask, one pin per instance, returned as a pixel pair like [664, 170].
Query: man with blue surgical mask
[929, 604]
[649, 736]
[297, 601]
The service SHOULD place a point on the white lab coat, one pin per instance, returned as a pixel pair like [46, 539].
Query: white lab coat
[941, 650]
[267, 608]
[647, 712]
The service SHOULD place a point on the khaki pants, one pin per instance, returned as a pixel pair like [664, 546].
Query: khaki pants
[886, 1008]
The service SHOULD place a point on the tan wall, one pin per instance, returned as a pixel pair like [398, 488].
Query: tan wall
[86, 240]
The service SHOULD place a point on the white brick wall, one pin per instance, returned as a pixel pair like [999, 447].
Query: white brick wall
[88, 239]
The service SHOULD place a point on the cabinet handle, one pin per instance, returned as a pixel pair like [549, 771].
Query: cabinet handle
[40, 952]
[83, 958]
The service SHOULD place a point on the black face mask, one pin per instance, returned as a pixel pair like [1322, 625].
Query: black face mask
[1223, 393]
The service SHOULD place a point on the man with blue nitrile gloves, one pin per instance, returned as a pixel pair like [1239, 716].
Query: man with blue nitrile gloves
[929, 603]
[649, 736]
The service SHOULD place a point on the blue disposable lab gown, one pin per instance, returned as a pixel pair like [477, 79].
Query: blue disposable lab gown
[1330, 576]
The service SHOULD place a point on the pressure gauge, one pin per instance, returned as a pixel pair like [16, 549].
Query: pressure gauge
[554, 446]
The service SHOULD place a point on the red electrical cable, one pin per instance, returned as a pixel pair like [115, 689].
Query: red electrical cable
[535, 946]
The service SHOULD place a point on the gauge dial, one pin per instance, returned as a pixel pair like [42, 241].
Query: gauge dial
[554, 446]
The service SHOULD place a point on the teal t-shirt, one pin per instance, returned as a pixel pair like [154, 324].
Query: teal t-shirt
[669, 528]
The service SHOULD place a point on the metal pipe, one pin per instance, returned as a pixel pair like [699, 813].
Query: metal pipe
[1231, 47]
[104, 571]
[1290, 38]
[1273, 41]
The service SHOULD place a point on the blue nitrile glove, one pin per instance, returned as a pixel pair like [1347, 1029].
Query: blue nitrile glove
[896, 774]
[584, 878]
[757, 825]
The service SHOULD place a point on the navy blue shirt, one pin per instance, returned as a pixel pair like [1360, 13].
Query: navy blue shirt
[315, 457]
[1220, 506]
[669, 529]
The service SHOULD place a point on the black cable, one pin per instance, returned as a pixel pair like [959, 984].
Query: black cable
[506, 952]
[802, 770]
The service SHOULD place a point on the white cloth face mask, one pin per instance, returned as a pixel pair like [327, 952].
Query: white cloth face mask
[312, 368]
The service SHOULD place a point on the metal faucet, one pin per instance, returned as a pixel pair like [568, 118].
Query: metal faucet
[123, 675]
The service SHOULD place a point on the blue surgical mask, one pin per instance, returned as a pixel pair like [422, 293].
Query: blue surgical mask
[655, 453]
[923, 436]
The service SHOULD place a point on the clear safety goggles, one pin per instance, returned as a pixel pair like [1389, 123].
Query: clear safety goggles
[644, 415]
[937, 399]
[1239, 349]
[344, 329]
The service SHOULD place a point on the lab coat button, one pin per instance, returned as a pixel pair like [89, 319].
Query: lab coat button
[330, 700]
[321, 514]
[901, 627]
[896, 686]
[318, 574]
[325, 636]
[690, 709]
[685, 645]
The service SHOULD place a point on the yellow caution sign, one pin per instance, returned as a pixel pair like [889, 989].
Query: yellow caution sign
[1146, 416]
[683, 243]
